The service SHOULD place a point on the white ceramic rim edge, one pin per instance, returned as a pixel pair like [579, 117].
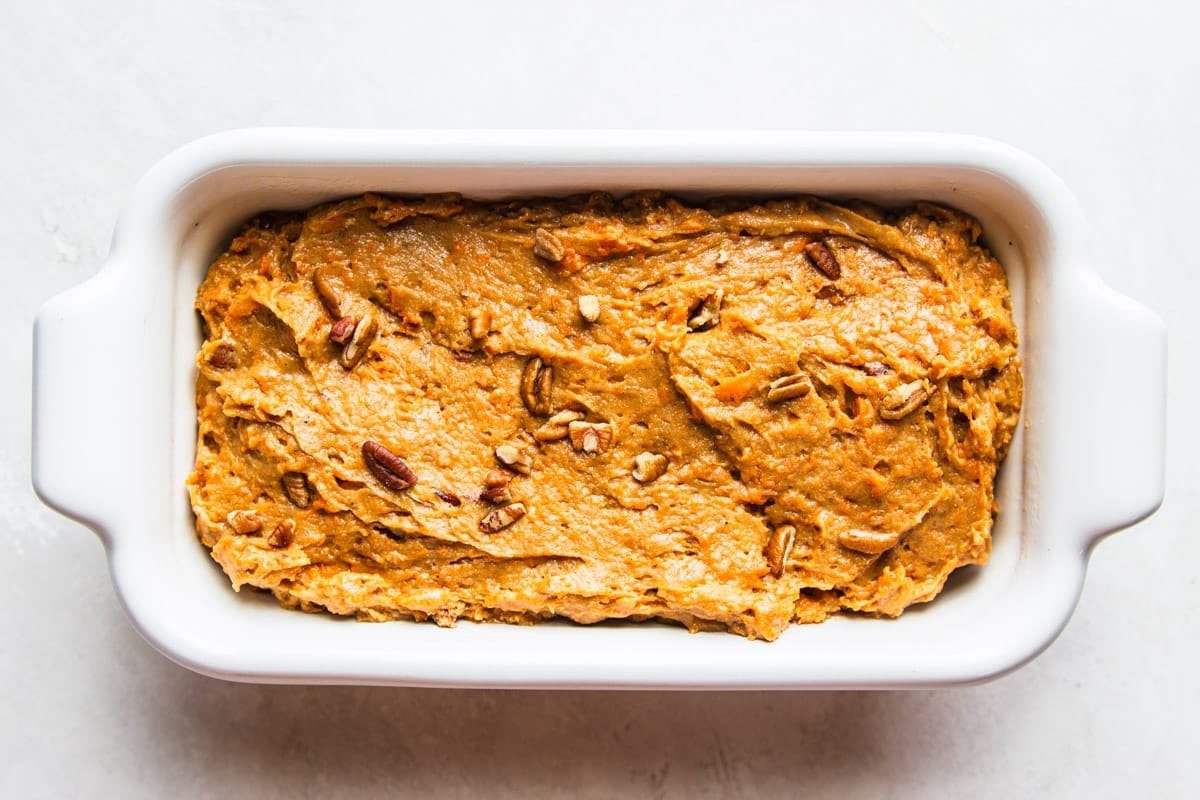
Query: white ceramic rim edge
[290, 146]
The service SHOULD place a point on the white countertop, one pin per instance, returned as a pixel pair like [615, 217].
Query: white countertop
[92, 96]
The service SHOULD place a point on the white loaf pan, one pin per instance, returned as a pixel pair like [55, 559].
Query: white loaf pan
[114, 416]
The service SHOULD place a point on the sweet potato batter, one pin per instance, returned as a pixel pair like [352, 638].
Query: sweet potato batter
[734, 415]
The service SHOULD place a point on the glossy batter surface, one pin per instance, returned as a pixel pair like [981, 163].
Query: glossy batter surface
[734, 415]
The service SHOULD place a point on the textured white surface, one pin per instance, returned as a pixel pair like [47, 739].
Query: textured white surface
[92, 97]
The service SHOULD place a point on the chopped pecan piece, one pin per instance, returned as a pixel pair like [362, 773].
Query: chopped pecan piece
[497, 495]
[548, 246]
[589, 307]
[283, 534]
[514, 458]
[295, 486]
[354, 351]
[496, 478]
[823, 259]
[537, 382]
[876, 368]
[590, 437]
[779, 548]
[328, 293]
[244, 522]
[479, 323]
[707, 313]
[648, 467]
[830, 294]
[448, 497]
[789, 387]
[903, 400]
[223, 357]
[502, 517]
[496, 487]
[387, 467]
[342, 331]
[555, 428]
[870, 542]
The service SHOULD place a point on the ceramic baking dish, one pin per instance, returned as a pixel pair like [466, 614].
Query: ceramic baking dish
[114, 416]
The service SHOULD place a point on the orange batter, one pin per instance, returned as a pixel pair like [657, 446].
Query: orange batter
[730, 415]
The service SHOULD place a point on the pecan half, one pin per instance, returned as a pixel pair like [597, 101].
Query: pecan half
[479, 323]
[537, 382]
[648, 467]
[779, 548]
[283, 534]
[590, 437]
[295, 486]
[589, 307]
[903, 400]
[789, 387]
[502, 517]
[354, 351]
[514, 458]
[823, 259]
[870, 542]
[707, 313]
[244, 522]
[342, 331]
[387, 467]
[548, 246]
[555, 428]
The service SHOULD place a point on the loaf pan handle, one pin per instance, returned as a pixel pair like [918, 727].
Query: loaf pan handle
[77, 400]
[1117, 426]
